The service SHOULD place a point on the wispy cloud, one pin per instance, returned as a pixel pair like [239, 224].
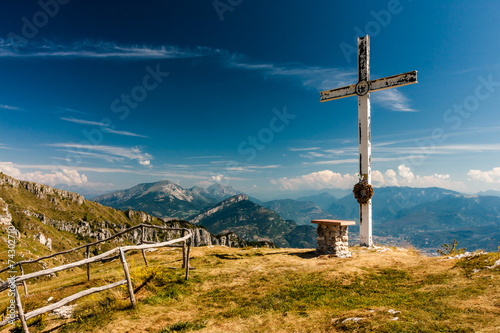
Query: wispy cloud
[134, 153]
[304, 149]
[82, 121]
[63, 110]
[315, 77]
[98, 50]
[10, 107]
[105, 157]
[126, 133]
[105, 127]
[321, 78]
[393, 99]
[210, 156]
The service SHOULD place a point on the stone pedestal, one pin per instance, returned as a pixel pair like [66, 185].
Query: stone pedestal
[333, 237]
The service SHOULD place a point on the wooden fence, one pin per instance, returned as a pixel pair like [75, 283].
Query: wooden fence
[118, 252]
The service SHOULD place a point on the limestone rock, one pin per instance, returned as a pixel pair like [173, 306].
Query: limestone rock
[44, 240]
[5, 216]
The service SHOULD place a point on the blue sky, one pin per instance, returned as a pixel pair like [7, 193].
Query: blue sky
[106, 95]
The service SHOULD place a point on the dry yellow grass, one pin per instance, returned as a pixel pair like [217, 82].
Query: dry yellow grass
[286, 290]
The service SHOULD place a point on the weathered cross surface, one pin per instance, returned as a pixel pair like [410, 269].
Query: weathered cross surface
[363, 89]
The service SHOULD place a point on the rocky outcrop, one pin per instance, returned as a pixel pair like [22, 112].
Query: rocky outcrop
[100, 230]
[141, 216]
[42, 191]
[43, 240]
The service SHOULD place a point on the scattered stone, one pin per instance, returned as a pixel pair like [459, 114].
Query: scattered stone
[395, 318]
[353, 319]
[496, 264]
[44, 241]
[65, 311]
[391, 311]
[465, 255]
[50, 299]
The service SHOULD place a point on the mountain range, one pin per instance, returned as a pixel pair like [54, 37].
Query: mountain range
[425, 218]
[166, 199]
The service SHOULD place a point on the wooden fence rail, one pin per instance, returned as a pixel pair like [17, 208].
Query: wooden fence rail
[106, 256]
[142, 225]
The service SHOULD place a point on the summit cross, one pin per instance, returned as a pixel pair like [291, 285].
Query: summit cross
[363, 89]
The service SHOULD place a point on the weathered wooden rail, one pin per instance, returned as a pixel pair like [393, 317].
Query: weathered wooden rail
[142, 226]
[118, 252]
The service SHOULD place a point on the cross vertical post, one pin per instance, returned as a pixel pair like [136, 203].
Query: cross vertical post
[363, 89]
[364, 130]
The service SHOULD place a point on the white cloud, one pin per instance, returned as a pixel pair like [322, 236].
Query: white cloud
[405, 177]
[491, 176]
[59, 176]
[133, 153]
[390, 178]
[316, 180]
[405, 173]
[216, 178]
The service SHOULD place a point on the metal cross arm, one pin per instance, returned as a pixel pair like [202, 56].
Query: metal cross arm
[375, 85]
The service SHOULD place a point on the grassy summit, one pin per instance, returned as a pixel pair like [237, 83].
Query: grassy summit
[282, 290]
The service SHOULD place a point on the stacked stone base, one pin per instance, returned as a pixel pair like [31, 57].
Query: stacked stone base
[333, 240]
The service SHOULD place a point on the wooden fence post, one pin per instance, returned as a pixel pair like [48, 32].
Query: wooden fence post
[127, 276]
[88, 265]
[183, 250]
[24, 282]
[143, 238]
[20, 312]
[187, 257]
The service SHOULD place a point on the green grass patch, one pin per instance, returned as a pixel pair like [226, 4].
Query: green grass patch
[183, 326]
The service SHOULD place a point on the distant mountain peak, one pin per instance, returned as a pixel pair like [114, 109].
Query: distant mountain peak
[167, 199]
